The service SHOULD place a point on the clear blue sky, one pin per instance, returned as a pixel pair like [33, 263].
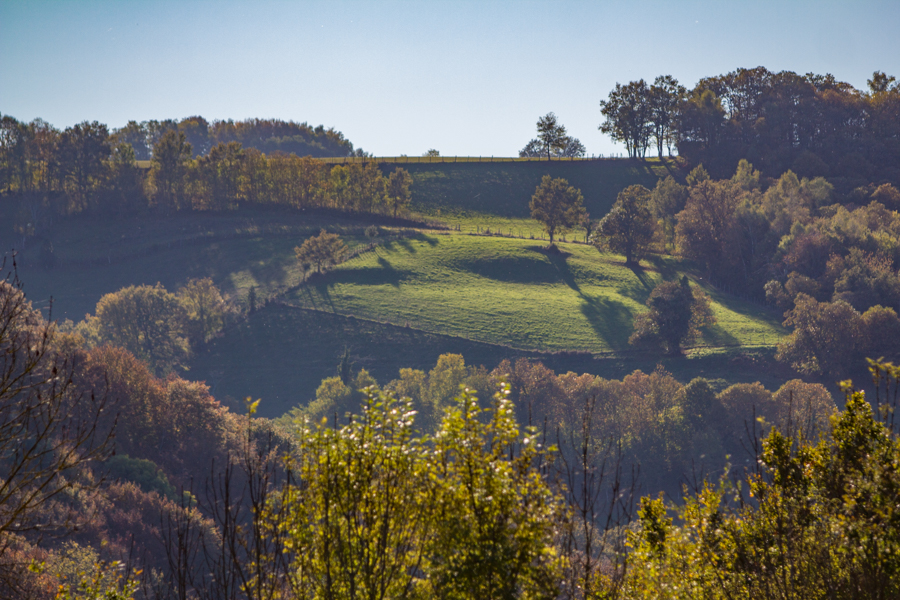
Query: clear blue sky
[403, 77]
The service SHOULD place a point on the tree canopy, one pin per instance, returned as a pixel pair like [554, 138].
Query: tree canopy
[677, 312]
[552, 141]
[322, 250]
[629, 226]
[557, 205]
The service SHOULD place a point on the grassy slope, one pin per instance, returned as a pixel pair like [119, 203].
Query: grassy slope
[509, 291]
[238, 250]
[503, 189]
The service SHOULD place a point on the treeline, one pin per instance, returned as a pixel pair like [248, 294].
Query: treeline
[441, 494]
[667, 427]
[811, 124]
[86, 168]
[823, 258]
[266, 135]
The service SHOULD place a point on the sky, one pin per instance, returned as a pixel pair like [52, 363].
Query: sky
[398, 77]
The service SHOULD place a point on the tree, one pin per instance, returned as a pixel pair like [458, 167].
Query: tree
[628, 114]
[84, 149]
[817, 519]
[665, 96]
[825, 334]
[677, 312]
[551, 134]
[706, 226]
[168, 167]
[667, 200]
[397, 193]
[51, 431]
[146, 320]
[557, 205]
[552, 141]
[322, 250]
[205, 310]
[629, 226]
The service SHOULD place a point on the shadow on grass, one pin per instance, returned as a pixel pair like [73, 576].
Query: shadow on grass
[716, 335]
[663, 266]
[610, 319]
[385, 275]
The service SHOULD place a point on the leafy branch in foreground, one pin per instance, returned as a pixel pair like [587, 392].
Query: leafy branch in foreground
[817, 520]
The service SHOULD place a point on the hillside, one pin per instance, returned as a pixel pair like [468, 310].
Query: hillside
[503, 189]
[418, 294]
[512, 292]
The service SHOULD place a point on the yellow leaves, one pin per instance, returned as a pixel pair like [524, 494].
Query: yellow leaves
[251, 405]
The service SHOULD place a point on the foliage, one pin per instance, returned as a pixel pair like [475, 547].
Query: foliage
[51, 430]
[817, 520]
[387, 513]
[706, 226]
[148, 321]
[629, 226]
[627, 112]
[829, 335]
[145, 473]
[667, 200]
[322, 250]
[169, 167]
[677, 312]
[557, 205]
[397, 195]
[205, 310]
[84, 576]
[552, 141]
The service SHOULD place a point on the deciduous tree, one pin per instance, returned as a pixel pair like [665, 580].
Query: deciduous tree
[629, 226]
[628, 117]
[677, 312]
[557, 205]
[552, 141]
[397, 191]
[51, 431]
[322, 250]
[168, 167]
[148, 321]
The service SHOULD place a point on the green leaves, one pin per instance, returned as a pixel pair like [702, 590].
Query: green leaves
[557, 205]
[379, 511]
[322, 250]
[821, 521]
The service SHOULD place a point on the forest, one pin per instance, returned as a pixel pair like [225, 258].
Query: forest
[687, 390]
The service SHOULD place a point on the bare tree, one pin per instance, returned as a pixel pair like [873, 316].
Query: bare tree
[50, 430]
[601, 497]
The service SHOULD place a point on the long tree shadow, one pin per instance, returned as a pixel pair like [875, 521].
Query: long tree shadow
[663, 266]
[716, 335]
[387, 274]
[610, 319]
[322, 292]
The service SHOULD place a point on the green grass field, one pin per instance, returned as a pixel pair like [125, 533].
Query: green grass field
[511, 292]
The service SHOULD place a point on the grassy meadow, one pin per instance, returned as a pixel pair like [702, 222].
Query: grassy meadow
[240, 249]
[512, 292]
